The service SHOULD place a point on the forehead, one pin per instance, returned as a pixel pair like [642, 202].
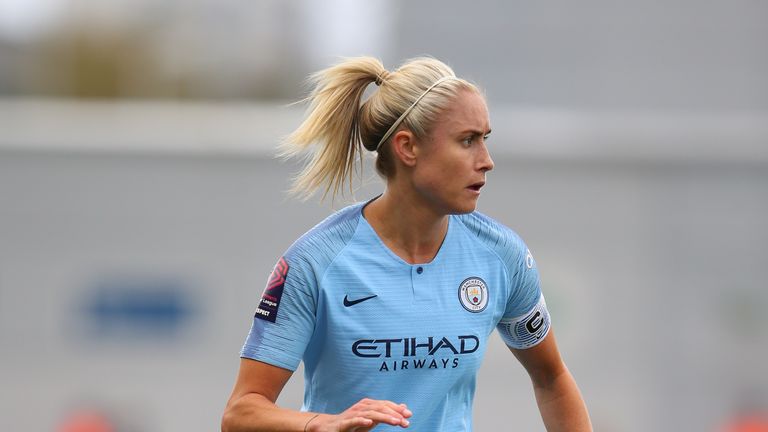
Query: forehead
[468, 111]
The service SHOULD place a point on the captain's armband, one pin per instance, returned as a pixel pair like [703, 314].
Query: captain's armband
[528, 329]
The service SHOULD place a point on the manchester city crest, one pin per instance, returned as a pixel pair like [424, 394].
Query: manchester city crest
[473, 294]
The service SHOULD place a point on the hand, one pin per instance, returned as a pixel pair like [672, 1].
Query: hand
[362, 417]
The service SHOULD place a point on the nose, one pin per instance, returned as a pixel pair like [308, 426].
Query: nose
[485, 161]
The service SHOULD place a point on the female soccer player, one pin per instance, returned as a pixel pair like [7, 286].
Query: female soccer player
[390, 303]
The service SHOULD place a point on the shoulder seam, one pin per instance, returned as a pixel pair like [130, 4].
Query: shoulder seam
[346, 244]
[305, 237]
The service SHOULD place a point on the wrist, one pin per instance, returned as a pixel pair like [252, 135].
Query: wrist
[314, 424]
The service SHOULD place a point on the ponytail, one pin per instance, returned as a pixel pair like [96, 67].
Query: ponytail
[412, 97]
[334, 123]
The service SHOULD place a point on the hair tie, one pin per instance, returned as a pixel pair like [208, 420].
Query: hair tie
[384, 74]
[402, 116]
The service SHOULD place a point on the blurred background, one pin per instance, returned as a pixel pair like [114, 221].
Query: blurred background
[142, 207]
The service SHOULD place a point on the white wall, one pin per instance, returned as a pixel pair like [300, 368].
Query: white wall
[654, 271]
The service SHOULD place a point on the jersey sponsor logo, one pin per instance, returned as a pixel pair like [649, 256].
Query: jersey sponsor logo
[473, 294]
[432, 352]
[270, 299]
[348, 302]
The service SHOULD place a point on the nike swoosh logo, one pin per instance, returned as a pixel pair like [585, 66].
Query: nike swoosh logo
[348, 302]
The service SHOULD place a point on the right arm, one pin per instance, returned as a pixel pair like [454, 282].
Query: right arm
[268, 360]
[252, 408]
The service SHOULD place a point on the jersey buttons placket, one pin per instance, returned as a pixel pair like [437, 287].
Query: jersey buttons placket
[417, 281]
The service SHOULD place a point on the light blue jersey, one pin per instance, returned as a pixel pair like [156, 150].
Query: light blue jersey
[368, 324]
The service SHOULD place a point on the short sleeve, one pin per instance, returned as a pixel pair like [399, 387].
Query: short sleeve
[525, 285]
[284, 319]
[526, 320]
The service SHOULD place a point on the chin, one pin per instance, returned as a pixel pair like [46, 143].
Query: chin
[463, 208]
[454, 204]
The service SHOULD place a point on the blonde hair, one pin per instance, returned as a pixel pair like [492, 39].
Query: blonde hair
[340, 126]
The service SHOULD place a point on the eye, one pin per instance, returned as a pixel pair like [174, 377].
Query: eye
[468, 140]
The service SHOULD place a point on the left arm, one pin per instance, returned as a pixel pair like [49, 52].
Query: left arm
[560, 403]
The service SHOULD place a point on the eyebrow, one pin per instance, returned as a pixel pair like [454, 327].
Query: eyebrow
[475, 132]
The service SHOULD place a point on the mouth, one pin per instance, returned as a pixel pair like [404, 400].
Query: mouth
[476, 186]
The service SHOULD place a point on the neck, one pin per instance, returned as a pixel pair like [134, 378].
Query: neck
[407, 226]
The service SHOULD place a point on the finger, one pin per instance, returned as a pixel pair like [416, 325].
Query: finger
[356, 423]
[399, 412]
[402, 409]
[395, 406]
[384, 417]
[386, 410]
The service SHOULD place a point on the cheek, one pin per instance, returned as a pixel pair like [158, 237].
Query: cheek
[428, 180]
[439, 176]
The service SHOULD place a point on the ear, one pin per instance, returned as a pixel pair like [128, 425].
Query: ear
[404, 147]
